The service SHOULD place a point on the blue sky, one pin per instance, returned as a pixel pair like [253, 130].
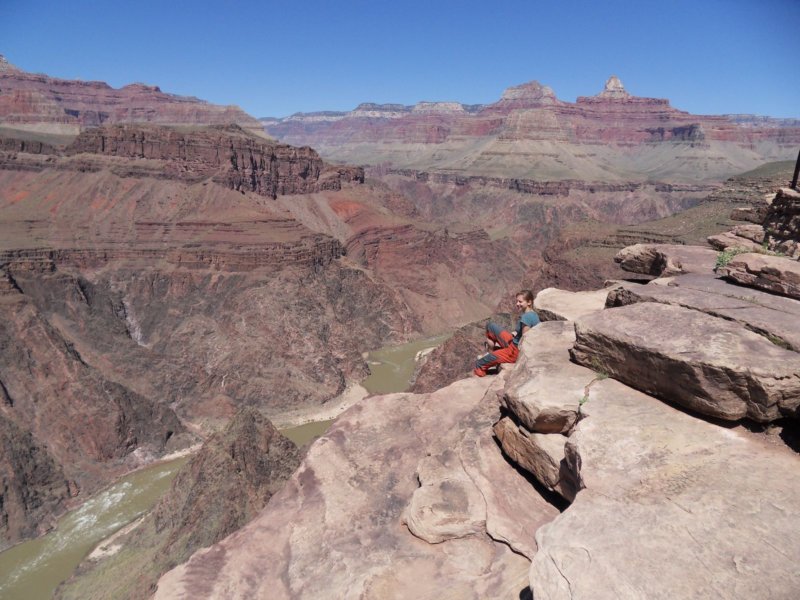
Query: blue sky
[276, 58]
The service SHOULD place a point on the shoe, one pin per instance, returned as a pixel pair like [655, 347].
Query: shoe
[479, 372]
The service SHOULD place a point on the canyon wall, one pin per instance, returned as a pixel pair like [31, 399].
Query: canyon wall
[37, 102]
[158, 279]
[530, 134]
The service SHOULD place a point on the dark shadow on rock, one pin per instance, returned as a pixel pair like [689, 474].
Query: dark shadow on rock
[525, 594]
[552, 498]
[781, 432]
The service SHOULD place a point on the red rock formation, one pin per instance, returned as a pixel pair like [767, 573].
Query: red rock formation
[27, 98]
[528, 120]
[228, 154]
[34, 486]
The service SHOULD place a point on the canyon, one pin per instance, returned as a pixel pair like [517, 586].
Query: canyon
[170, 275]
[233, 270]
[531, 136]
[626, 485]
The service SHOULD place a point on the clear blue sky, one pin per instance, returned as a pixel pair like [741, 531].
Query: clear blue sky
[276, 58]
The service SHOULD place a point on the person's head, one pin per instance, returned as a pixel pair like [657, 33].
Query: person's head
[524, 300]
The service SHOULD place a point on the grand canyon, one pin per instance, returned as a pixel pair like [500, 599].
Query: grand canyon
[178, 277]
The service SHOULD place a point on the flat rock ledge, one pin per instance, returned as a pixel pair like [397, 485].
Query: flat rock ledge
[542, 397]
[775, 317]
[734, 239]
[544, 390]
[663, 505]
[406, 496]
[663, 260]
[673, 507]
[552, 304]
[778, 274]
[706, 364]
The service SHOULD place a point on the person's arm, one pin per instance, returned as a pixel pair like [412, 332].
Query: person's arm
[525, 327]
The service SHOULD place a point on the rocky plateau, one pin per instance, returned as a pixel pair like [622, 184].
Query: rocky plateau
[643, 446]
[37, 103]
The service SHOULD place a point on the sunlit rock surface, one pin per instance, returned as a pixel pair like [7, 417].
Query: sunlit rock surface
[428, 458]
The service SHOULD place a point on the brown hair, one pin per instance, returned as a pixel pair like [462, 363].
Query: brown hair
[527, 294]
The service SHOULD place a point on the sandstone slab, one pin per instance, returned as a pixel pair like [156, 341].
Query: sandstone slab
[336, 530]
[674, 507]
[706, 364]
[666, 259]
[552, 304]
[777, 274]
[544, 390]
[775, 317]
[753, 214]
[541, 454]
[447, 504]
[730, 239]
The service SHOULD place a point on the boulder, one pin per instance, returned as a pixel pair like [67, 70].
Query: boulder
[552, 304]
[347, 501]
[541, 454]
[782, 222]
[777, 274]
[666, 259]
[706, 364]
[775, 317]
[544, 390]
[729, 239]
[753, 214]
[674, 507]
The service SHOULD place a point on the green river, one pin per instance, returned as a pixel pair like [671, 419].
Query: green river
[32, 570]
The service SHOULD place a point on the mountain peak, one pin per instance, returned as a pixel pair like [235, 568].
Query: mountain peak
[7, 67]
[614, 89]
[529, 91]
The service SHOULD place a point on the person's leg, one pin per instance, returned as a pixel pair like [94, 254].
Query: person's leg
[503, 355]
[498, 335]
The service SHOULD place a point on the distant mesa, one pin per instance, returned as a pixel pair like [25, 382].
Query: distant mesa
[531, 134]
[48, 105]
[142, 87]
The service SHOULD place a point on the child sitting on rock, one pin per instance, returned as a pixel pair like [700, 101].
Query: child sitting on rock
[504, 346]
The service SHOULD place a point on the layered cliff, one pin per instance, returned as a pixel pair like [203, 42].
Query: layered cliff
[530, 134]
[37, 102]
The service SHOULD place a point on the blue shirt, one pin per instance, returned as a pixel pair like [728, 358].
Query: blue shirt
[531, 319]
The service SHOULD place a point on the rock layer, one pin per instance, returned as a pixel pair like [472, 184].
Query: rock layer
[663, 260]
[777, 274]
[29, 99]
[346, 503]
[732, 374]
[660, 483]
[531, 134]
[776, 318]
